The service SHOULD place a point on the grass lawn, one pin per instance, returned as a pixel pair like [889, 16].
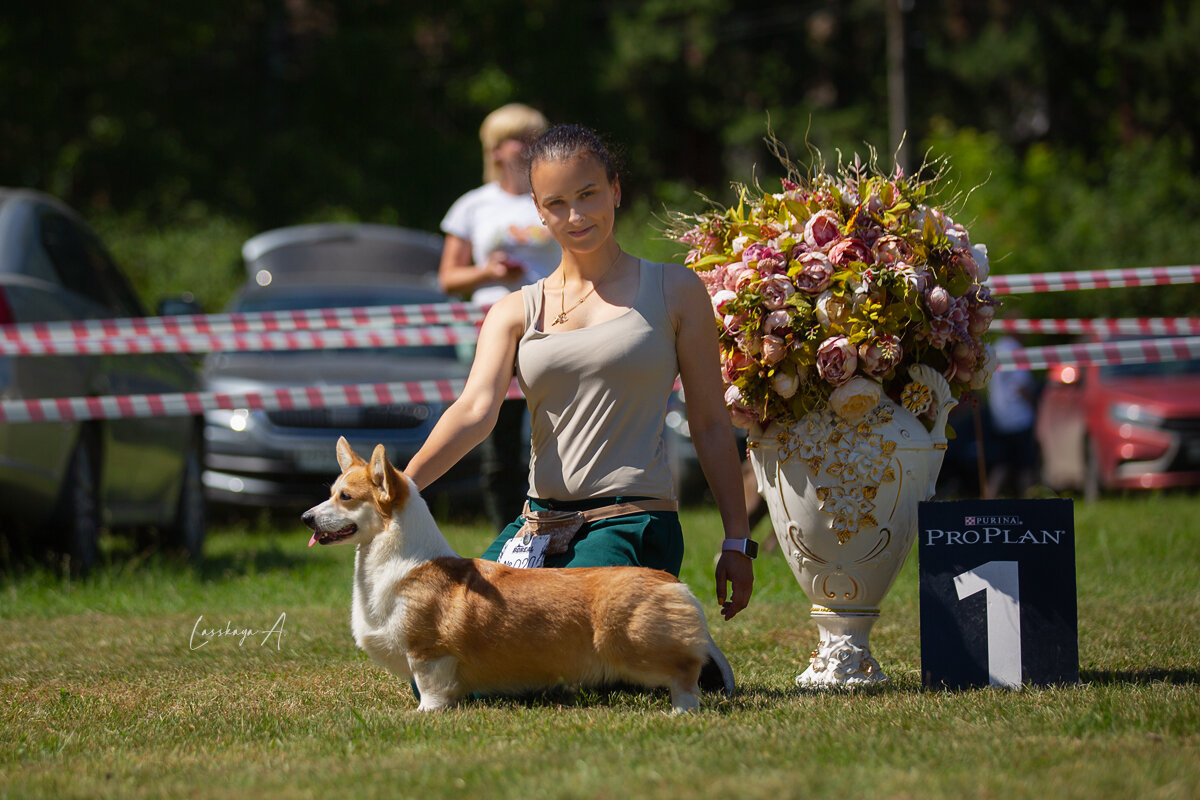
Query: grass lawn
[107, 690]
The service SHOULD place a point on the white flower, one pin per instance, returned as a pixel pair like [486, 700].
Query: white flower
[981, 258]
[739, 244]
[855, 398]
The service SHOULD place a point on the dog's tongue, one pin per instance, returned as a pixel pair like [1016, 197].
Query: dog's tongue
[313, 540]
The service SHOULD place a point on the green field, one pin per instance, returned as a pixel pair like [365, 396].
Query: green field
[107, 691]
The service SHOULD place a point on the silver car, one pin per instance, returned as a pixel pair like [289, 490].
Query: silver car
[60, 482]
[286, 459]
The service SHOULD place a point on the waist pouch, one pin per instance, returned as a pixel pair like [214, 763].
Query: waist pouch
[563, 526]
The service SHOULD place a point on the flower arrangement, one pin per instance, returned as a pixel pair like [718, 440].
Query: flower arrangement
[827, 292]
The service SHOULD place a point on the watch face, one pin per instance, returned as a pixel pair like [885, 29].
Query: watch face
[751, 548]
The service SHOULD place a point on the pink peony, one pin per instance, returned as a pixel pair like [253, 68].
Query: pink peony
[749, 343]
[815, 273]
[822, 229]
[849, 250]
[892, 249]
[939, 300]
[775, 291]
[738, 276]
[766, 259]
[780, 319]
[734, 363]
[773, 349]
[721, 299]
[880, 355]
[981, 319]
[734, 322]
[741, 414]
[837, 360]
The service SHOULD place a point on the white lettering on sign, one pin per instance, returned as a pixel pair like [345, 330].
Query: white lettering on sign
[985, 535]
[1001, 581]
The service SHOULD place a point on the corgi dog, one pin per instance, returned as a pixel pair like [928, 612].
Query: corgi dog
[457, 625]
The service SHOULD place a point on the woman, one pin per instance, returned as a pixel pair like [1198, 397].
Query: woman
[596, 347]
[494, 244]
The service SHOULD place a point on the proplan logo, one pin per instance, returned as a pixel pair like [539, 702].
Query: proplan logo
[992, 521]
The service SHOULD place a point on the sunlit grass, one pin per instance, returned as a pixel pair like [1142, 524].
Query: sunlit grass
[104, 692]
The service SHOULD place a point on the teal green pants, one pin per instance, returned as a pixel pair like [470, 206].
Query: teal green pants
[651, 539]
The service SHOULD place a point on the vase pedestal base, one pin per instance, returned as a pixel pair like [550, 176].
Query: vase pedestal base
[843, 656]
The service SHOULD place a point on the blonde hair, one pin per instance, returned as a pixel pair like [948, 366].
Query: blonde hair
[513, 121]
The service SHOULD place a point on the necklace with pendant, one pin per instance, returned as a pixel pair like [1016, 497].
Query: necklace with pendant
[562, 316]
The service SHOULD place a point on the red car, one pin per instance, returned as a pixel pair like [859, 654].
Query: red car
[1132, 426]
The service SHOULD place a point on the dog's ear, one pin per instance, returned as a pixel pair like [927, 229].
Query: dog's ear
[346, 456]
[383, 475]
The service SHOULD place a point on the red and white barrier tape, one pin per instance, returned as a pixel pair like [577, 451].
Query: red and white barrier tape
[1093, 279]
[1133, 351]
[305, 319]
[1143, 326]
[285, 398]
[242, 342]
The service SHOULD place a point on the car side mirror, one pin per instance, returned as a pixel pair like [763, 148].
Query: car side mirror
[183, 305]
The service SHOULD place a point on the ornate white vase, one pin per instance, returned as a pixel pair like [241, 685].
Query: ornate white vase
[843, 495]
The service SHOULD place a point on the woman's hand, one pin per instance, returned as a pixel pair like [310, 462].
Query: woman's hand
[735, 569]
[457, 273]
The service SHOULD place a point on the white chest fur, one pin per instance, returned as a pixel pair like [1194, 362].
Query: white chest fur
[380, 566]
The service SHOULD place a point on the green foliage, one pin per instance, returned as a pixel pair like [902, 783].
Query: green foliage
[1051, 211]
[200, 255]
[271, 113]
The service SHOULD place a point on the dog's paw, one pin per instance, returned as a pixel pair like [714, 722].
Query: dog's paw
[431, 703]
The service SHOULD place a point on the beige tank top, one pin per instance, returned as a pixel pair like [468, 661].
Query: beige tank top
[598, 399]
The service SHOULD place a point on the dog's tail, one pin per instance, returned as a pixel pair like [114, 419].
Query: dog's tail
[716, 675]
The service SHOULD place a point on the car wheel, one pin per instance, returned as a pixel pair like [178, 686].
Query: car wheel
[1092, 485]
[186, 534]
[78, 517]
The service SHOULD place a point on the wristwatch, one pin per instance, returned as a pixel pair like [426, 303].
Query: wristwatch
[747, 547]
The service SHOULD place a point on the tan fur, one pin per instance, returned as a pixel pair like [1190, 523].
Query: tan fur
[458, 625]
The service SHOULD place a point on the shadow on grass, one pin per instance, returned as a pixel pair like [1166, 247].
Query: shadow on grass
[1140, 677]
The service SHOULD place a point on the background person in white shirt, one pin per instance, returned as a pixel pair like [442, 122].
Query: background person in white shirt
[495, 243]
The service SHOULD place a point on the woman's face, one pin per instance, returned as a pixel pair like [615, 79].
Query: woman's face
[577, 201]
[510, 154]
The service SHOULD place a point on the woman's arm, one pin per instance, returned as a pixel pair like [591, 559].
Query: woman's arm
[708, 421]
[472, 416]
[458, 274]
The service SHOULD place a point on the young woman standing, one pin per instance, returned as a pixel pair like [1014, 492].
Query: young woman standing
[596, 347]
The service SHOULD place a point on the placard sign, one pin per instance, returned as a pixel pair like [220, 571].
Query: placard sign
[997, 585]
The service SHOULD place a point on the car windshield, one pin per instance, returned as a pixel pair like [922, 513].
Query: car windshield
[300, 298]
[1155, 370]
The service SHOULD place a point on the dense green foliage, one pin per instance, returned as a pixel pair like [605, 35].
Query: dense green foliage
[182, 127]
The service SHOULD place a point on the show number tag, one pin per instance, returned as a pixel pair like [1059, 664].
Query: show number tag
[997, 587]
[524, 552]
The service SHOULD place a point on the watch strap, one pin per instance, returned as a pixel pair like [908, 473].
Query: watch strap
[747, 547]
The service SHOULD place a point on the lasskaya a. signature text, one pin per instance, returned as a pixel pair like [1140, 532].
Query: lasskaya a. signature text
[202, 636]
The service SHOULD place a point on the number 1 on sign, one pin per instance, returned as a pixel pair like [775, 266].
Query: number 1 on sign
[1000, 580]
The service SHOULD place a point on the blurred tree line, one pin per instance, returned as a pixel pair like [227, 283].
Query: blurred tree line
[182, 128]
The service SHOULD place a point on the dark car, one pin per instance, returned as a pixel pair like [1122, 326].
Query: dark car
[63, 481]
[1131, 426]
[286, 459]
